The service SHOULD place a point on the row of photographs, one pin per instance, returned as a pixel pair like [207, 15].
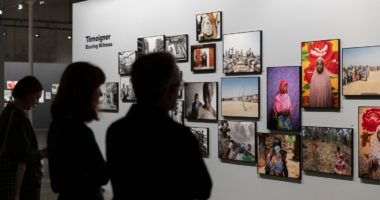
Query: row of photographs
[322, 149]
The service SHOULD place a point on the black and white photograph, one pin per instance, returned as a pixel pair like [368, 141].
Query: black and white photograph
[126, 90]
[202, 135]
[178, 46]
[109, 100]
[126, 59]
[180, 91]
[8, 96]
[151, 44]
[54, 88]
[177, 113]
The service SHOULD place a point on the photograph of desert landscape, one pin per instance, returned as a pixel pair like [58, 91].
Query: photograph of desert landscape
[240, 97]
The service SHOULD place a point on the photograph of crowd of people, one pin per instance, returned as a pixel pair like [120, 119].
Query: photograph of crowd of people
[201, 101]
[279, 155]
[177, 113]
[361, 71]
[203, 58]
[283, 98]
[151, 44]
[202, 136]
[209, 26]
[126, 90]
[178, 45]
[369, 142]
[126, 59]
[320, 74]
[327, 150]
[242, 52]
[109, 100]
[241, 97]
[236, 140]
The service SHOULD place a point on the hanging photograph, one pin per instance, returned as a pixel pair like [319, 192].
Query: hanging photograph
[279, 155]
[241, 97]
[126, 59]
[361, 71]
[236, 141]
[126, 90]
[152, 44]
[8, 96]
[201, 101]
[177, 113]
[178, 46]
[202, 135]
[242, 53]
[109, 101]
[209, 26]
[11, 85]
[203, 58]
[369, 142]
[180, 91]
[283, 98]
[54, 88]
[320, 74]
[327, 150]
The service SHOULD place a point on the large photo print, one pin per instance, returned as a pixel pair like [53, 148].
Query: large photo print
[201, 101]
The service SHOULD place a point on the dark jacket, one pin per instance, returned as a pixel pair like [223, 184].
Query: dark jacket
[148, 151]
[77, 167]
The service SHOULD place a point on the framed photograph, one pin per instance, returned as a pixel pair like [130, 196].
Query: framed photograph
[369, 142]
[177, 113]
[209, 26]
[126, 90]
[126, 59]
[201, 101]
[54, 88]
[203, 58]
[178, 45]
[241, 97]
[284, 98]
[202, 135]
[320, 74]
[361, 71]
[151, 44]
[242, 53]
[109, 101]
[236, 141]
[328, 150]
[11, 85]
[180, 91]
[279, 155]
[8, 96]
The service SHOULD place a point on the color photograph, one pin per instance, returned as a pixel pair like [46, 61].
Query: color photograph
[202, 136]
[320, 74]
[328, 150]
[361, 71]
[201, 101]
[209, 26]
[369, 142]
[283, 98]
[203, 58]
[236, 140]
[241, 97]
[242, 53]
[279, 155]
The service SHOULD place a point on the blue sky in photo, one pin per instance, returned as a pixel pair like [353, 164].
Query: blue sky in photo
[361, 56]
[234, 87]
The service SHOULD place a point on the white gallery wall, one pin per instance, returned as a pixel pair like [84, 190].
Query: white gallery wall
[285, 24]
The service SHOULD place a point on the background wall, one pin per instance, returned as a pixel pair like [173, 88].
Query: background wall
[285, 24]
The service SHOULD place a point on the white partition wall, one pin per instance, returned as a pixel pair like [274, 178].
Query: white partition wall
[285, 24]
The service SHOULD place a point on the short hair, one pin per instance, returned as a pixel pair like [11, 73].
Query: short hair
[77, 87]
[26, 86]
[152, 74]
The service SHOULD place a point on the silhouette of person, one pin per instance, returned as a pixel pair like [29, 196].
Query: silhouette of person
[320, 87]
[20, 157]
[77, 167]
[195, 106]
[179, 171]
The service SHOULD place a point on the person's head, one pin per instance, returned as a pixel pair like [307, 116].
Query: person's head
[27, 92]
[156, 80]
[196, 97]
[207, 93]
[320, 65]
[78, 92]
[283, 87]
